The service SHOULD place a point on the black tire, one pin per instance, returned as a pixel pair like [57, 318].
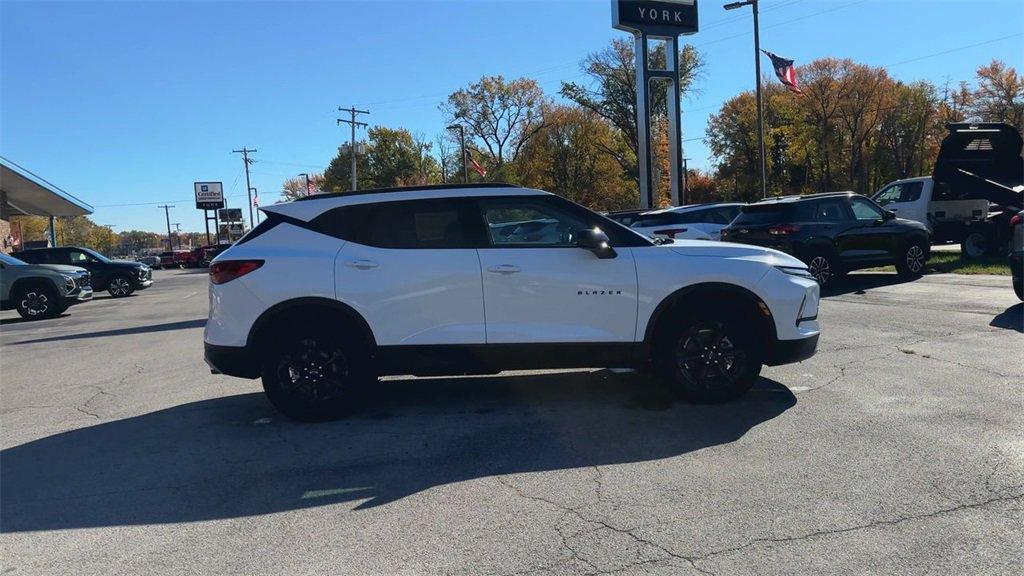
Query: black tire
[710, 358]
[36, 302]
[824, 266]
[1018, 287]
[911, 261]
[314, 374]
[120, 286]
[975, 245]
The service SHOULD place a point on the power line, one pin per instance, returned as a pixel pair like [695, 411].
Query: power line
[951, 50]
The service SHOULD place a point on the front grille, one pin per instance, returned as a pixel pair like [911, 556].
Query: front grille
[84, 280]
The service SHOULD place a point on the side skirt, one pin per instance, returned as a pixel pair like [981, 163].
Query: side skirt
[462, 359]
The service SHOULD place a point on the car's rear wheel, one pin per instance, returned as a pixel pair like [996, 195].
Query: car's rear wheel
[912, 260]
[38, 302]
[975, 245]
[710, 360]
[120, 286]
[313, 375]
[823, 267]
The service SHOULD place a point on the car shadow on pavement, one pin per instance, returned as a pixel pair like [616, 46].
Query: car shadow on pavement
[235, 457]
[20, 320]
[1012, 318]
[861, 282]
[183, 325]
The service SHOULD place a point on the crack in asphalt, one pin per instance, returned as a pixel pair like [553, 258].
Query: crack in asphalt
[912, 352]
[694, 561]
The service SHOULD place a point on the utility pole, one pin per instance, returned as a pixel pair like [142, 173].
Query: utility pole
[167, 214]
[686, 181]
[177, 232]
[760, 103]
[245, 158]
[307, 183]
[462, 143]
[354, 124]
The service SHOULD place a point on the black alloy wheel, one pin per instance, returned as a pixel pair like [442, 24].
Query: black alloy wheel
[37, 302]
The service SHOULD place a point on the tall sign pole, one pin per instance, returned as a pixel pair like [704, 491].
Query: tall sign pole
[663, 20]
[760, 103]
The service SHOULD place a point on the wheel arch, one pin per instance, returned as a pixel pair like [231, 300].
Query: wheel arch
[308, 304]
[719, 292]
[22, 283]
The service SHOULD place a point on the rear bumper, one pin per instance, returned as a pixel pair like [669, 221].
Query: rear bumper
[790, 351]
[231, 360]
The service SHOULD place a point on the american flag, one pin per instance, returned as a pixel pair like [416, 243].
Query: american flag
[475, 166]
[310, 188]
[785, 71]
[256, 201]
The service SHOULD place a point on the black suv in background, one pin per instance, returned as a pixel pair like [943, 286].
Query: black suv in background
[118, 277]
[833, 233]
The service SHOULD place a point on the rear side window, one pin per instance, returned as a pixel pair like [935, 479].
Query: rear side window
[758, 214]
[408, 224]
[831, 210]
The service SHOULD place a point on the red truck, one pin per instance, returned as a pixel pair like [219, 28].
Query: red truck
[179, 259]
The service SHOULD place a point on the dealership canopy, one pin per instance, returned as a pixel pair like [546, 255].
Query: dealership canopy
[26, 194]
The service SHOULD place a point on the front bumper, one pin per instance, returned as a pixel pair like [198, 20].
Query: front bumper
[790, 351]
[80, 295]
[231, 360]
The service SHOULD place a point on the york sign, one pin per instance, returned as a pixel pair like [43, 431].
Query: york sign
[655, 17]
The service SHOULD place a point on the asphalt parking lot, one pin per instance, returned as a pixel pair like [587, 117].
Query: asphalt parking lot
[898, 448]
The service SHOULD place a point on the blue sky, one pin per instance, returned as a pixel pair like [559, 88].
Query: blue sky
[129, 103]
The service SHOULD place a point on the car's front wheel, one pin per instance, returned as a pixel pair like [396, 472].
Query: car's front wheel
[315, 375]
[711, 360]
[38, 302]
[120, 286]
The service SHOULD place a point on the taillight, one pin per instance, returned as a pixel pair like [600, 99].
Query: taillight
[783, 229]
[1015, 220]
[670, 232]
[228, 270]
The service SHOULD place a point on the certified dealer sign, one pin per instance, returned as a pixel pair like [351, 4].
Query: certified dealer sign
[655, 17]
[209, 195]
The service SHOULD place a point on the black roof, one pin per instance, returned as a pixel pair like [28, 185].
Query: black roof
[407, 189]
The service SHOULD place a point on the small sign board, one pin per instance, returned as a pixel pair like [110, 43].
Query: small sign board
[209, 195]
[664, 18]
[230, 214]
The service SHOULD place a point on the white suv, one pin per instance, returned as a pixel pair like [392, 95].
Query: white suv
[333, 290]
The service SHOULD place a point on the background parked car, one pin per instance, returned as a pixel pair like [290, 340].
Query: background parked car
[118, 277]
[179, 259]
[625, 217]
[41, 291]
[694, 222]
[151, 260]
[833, 233]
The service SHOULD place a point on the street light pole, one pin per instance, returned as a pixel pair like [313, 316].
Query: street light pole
[462, 143]
[686, 178]
[760, 102]
[306, 176]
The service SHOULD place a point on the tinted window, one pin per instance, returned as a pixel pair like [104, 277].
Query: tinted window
[906, 192]
[863, 209]
[417, 224]
[757, 214]
[831, 210]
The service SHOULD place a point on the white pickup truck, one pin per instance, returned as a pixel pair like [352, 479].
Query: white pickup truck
[973, 192]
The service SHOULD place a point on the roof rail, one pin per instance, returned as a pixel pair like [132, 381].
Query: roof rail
[408, 189]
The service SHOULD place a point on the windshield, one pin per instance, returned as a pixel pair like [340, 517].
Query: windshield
[11, 260]
[96, 255]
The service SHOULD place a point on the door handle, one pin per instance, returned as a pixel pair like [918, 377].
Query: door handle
[504, 269]
[362, 264]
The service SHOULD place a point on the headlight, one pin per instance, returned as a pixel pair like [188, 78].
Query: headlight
[69, 282]
[794, 271]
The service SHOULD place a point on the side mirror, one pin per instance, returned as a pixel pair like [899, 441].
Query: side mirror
[888, 215]
[596, 241]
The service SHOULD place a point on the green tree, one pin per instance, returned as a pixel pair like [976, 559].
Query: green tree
[500, 118]
[293, 188]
